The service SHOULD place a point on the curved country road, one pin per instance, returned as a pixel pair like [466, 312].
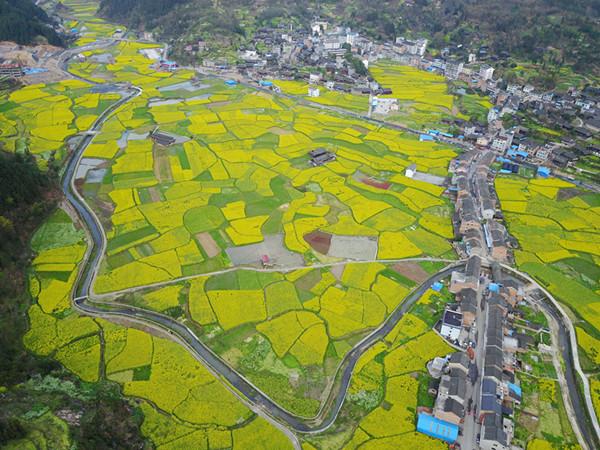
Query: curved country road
[90, 266]
[305, 425]
[337, 394]
[83, 290]
[567, 345]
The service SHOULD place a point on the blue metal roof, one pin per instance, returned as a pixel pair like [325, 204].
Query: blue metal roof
[494, 287]
[437, 428]
[437, 286]
[425, 137]
[512, 152]
[516, 389]
[543, 171]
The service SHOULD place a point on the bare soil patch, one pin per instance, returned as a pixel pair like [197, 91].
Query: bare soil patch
[280, 131]
[412, 271]
[319, 241]
[208, 244]
[162, 168]
[154, 194]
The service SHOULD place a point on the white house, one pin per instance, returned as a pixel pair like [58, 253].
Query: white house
[410, 171]
[451, 325]
[319, 26]
[486, 72]
[493, 114]
[314, 78]
[313, 91]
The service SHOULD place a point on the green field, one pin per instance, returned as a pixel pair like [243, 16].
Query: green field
[558, 229]
[181, 401]
[287, 332]
[242, 174]
[239, 175]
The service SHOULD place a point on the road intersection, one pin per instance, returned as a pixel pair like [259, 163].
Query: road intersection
[86, 302]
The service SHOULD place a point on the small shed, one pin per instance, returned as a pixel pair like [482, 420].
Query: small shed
[266, 83]
[515, 391]
[410, 171]
[231, 82]
[437, 286]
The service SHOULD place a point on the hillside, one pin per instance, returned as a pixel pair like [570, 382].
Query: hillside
[23, 22]
[560, 33]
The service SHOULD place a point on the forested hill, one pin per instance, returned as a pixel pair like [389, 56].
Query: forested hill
[527, 29]
[23, 22]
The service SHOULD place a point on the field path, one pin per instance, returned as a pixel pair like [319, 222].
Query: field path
[83, 301]
[86, 302]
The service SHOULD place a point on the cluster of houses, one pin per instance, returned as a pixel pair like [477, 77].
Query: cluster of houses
[581, 107]
[475, 217]
[457, 322]
[479, 389]
[323, 48]
[500, 391]
[444, 420]
[521, 143]
[557, 109]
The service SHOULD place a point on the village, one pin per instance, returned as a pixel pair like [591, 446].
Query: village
[495, 319]
[478, 389]
[336, 58]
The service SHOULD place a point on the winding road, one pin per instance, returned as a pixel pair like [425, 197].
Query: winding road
[83, 295]
[83, 292]
[336, 396]
[582, 404]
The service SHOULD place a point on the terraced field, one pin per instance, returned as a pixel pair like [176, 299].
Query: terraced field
[423, 97]
[558, 228]
[351, 102]
[389, 382]
[183, 403]
[41, 117]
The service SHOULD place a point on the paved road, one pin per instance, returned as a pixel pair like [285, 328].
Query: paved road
[470, 426]
[95, 230]
[83, 290]
[276, 269]
[336, 396]
[581, 402]
[582, 413]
